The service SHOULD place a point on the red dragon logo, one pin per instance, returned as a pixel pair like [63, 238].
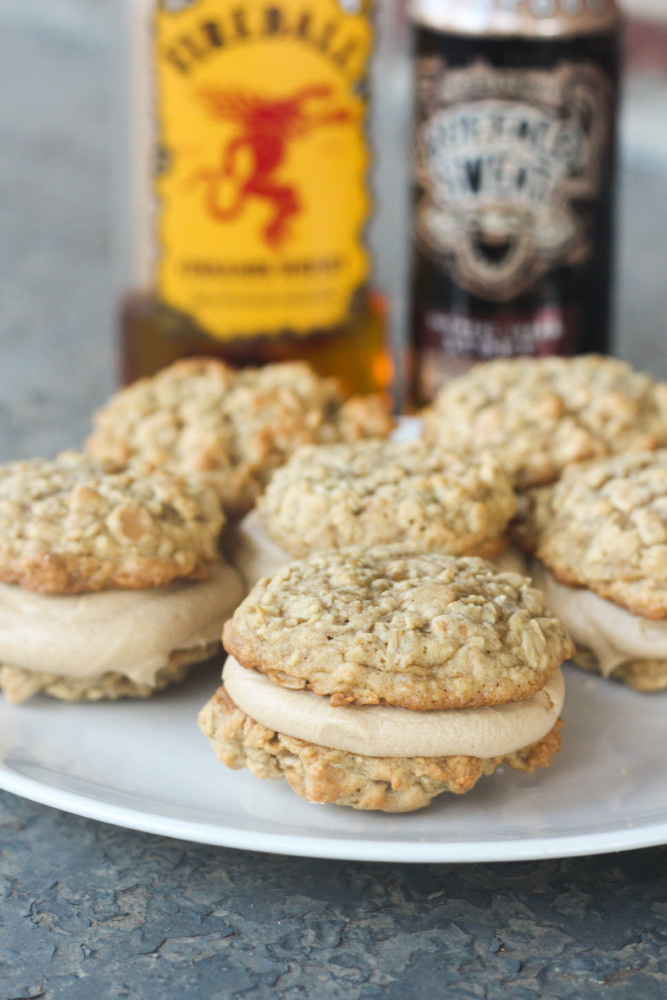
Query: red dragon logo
[265, 129]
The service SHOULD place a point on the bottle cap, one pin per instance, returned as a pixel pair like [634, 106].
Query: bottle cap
[540, 19]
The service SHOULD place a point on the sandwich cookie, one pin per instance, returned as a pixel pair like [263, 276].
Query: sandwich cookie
[375, 493]
[539, 415]
[111, 580]
[603, 565]
[234, 428]
[379, 678]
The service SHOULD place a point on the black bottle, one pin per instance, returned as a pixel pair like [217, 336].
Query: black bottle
[514, 144]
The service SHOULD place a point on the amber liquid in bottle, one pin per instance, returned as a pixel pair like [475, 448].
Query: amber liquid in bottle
[355, 353]
[258, 205]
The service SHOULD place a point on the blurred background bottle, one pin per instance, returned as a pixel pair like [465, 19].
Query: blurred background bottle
[514, 148]
[248, 207]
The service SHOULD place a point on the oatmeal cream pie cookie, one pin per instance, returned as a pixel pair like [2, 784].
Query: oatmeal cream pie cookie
[539, 415]
[379, 678]
[375, 493]
[233, 427]
[111, 581]
[603, 565]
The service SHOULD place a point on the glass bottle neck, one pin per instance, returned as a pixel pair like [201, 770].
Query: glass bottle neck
[517, 18]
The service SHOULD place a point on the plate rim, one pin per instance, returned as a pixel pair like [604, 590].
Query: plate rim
[650, 833]
[357, 849]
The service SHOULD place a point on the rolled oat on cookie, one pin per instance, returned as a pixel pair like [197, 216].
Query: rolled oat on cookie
[111, 579]
[603, 565]
[233, 428]
[540, 415]
[375, 493]
[379, 678]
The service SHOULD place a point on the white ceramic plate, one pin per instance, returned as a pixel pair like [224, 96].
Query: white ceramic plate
[145, 765]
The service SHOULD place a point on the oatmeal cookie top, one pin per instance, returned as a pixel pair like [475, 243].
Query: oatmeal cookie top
[538, 415]
[389, 626]
[384, 492]
[608, 530]
[233, 427]
[75, 524]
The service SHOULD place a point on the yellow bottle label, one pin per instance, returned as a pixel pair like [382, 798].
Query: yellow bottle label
[263, 161]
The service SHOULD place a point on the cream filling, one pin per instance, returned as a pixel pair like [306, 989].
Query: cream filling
[614, 635]
[255, 555]
[130, 632]
[252, 551]
[384, 731]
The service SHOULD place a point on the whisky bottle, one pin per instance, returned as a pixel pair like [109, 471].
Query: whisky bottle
[514, 150]
[249, 201]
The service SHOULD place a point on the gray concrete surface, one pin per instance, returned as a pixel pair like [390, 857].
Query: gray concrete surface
[89, 911]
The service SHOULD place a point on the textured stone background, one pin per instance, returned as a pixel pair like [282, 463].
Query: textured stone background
[90, 911]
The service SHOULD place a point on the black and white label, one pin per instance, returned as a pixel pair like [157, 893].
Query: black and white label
[504, 158]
